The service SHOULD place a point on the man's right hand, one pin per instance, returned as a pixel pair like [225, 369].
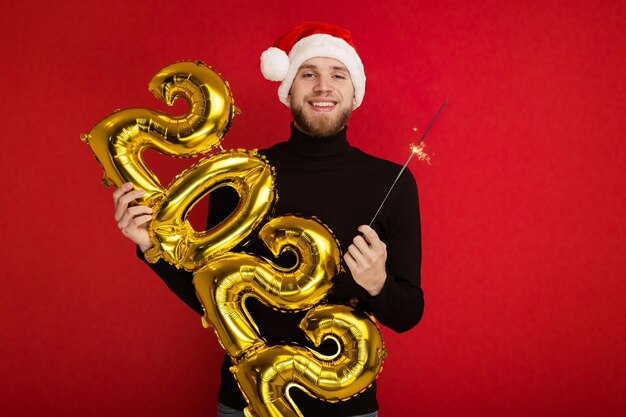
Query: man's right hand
[132, 221]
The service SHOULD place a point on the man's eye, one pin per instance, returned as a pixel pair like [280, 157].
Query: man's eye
[340, 76]
[308, 75]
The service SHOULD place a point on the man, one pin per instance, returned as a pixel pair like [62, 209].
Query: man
[319, 173]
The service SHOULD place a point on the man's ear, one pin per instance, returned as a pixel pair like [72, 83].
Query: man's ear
[289, 98]
[353, 101]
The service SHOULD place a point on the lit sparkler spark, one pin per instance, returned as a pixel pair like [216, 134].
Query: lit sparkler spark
[418, 150]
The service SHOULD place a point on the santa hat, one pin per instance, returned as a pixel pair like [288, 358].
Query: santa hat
[308, 40]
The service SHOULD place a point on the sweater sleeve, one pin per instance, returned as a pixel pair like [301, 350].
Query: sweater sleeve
[400, 304]
[178, 281]
[222, 202]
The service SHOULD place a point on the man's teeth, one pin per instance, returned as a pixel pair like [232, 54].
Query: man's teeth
[323, 104]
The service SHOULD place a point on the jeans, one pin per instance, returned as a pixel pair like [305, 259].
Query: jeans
[224, 411]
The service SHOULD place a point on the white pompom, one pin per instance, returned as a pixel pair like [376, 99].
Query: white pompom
[274, 64]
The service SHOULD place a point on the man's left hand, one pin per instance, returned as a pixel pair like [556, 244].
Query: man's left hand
[366, 259]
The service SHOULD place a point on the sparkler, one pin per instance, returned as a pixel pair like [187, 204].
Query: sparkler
[415, 150]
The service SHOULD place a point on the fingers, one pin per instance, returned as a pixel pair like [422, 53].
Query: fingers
[365, 250]
[122, 197]
[359, 257]
[371, 236]
[361, 244]
[132, 220]
[122, 189]
[366, 258]
[367, 247]
[134, 217]
[136, 224]
[122, 203]
[352, 264]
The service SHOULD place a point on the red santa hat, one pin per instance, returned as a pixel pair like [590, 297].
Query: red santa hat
[308, 40]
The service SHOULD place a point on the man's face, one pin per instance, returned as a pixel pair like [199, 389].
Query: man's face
[321, 97]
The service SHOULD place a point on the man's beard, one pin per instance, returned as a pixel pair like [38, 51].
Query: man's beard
[320, 126]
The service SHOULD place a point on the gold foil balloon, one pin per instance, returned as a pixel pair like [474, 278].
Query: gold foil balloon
[226, 281]
[177, 242]
[119, 139]
[266, 375]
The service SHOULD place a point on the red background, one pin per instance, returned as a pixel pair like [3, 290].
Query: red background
[523, 206]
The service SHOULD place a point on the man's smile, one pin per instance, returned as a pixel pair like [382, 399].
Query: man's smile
[324, 105]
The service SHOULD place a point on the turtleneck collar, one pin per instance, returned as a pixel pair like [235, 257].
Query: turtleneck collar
[318, 147]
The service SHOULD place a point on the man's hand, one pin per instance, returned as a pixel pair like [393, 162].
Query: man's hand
[366, 259]
[132, 221]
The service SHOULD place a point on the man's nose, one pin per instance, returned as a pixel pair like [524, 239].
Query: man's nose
[323, 84]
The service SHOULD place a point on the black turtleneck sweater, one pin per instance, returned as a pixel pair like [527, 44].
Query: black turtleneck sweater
[343, 187]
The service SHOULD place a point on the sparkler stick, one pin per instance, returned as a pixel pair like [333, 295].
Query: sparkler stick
[414, 149]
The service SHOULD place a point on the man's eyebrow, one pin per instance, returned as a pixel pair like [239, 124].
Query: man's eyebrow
[334, 67]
